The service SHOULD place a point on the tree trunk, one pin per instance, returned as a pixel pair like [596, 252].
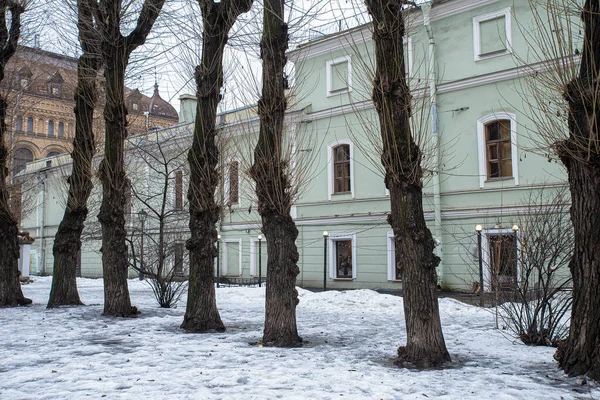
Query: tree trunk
[10, 288]
[116, 50]
[114, 188]
[273, 185]
[201, 313]
[67, 241]
[401, 160]
[580, 153]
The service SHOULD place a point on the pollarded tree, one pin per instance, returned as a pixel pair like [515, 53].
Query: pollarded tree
[580, 153]
[116, 50]
[401, 159]
[10, 287]
[67, 241]
[273, 185]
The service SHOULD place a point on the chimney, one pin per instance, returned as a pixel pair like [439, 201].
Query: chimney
[187, 108]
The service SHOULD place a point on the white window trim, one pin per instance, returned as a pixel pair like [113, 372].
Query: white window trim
[331, 248]
[485, 254]
[391, 259]
[477, 33]
[328, 76]
[410, 54]
[223, 265]
[330, 166]
[514, 151]
[254, 257]
[227, 181]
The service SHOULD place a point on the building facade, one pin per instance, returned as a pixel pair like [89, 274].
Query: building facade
[467, 65]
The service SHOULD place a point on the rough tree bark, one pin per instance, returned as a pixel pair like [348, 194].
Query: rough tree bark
[10, 288]
[67, 241]
[116, 50]
[580, 153]
[273, 185]
[201, 313]
[401, 160]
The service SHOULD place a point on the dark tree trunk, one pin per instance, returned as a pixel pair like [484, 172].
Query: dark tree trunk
[67, 241]
[401, 159]
[116, 50]
[579, 354]
[273, 185]
[201, 313]
[10, 288]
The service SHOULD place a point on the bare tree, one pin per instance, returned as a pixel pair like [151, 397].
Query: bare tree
[157, 248]
[580, 153]
[401, 159]
[67, 241]
[10, 287]
[535, 306]
[116, 50]
[271, 174]
[218, 18]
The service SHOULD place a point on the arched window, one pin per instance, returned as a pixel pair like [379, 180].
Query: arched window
[21, 157]
[52, 154]
[30, 125]
[40, 126]
[496, 136]
[61, 129]
[19, 124]
[50, 128]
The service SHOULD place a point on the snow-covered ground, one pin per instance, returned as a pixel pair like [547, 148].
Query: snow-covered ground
[73, 353]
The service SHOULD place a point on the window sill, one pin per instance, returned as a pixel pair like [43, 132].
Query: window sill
[338, 92]
[503, 178]
[343, 279]
[487, 56]
[395, 280]
[340, 193]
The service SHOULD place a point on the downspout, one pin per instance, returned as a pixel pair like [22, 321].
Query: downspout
[43, 227]
[437, 204]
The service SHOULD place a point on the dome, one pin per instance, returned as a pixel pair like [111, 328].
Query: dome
[161, 108]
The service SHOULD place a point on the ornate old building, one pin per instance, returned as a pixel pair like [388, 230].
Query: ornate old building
[39, 86]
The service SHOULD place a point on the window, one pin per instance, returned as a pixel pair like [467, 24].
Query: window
[498, 150]
[29, 125]
[21, 157]
[178, 190]
[135, 106]
[19, 124]
[394, 267]
[50, 128]
[339, 76]
[41, 124]
[342, 261]
[233, 184]
[24, 83]
[61, 129]
[340, 171]
[52, 154]
[178, 252]
[496, 136]
[499, 253]
[492, 34]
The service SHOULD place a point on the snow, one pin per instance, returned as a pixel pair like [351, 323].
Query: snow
[353, 336]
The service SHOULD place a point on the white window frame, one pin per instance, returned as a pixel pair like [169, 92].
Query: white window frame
[227, 181]
[330, 166]
[485, 254]
[410, 54]
[223, 265]
[391, 258]
[329, 80]
[481, 145]
[254, 256]
[336, 237]
[477, 33]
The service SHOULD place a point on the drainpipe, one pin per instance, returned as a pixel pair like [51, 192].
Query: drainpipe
[43, 227]
[437, 206]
